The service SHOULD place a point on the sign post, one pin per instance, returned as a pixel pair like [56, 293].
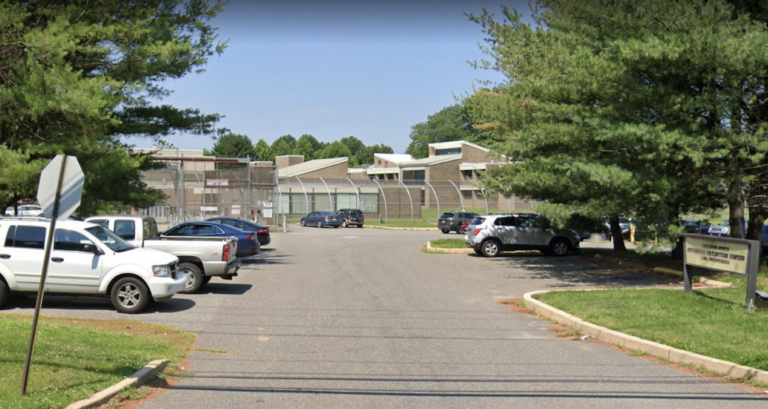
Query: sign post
[59, 192]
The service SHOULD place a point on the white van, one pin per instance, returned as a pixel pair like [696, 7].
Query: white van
[86, 259]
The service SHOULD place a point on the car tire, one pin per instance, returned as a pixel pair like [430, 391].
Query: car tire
[130, 295]
[193, 277]
[359, 226]
[303, 223]
[344, 223]
[490, 248]
[5, 293]
[446, 231]
[335, 227]
[559, 248]
[319, 225]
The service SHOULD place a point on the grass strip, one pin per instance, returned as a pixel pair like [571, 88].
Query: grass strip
[448, 244]
[711, 322]
[74, 358]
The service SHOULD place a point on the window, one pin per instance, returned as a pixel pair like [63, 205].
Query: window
[71, 241]
[423, 197]
[126, 229]
[451, 151]
[188, 230]
[25, 236]
[204, 230]
[506, 221]
[150, 228]
[467, 194]
[467, 174]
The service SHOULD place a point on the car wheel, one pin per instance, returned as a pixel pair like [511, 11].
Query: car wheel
[344, 223]
[4, 293]
[303, 223]
[559, 248]
[490, 248]
[193, 277]
[446, 231]
[359, 226]
[130, 295]
[319, 225]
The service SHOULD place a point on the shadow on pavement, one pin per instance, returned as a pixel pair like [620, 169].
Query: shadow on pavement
[80, 303]
[224, 288]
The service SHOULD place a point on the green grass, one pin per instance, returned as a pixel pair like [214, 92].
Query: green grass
[75, 358]
[713, 322]
[448, 244]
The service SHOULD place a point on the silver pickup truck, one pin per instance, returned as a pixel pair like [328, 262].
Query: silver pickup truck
[201, 258]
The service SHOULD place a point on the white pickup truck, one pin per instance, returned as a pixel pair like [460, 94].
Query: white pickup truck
[201, 258]
[86, 259]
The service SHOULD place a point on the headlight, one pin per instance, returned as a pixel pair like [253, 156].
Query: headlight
[161, 271]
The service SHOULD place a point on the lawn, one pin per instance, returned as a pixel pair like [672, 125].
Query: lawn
[710, 322]
[74, 358]
[448, 244]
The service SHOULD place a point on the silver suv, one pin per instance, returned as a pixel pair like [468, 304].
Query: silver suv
[489, 235]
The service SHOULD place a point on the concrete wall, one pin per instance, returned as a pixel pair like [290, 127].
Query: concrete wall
[288, 160]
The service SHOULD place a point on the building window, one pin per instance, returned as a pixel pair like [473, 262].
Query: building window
[467, 194]
[414, 175]
[379, 162]
[423, 197]
[467, 174]
[452, 151]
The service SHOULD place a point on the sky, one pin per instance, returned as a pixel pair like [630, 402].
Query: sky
[369, 69]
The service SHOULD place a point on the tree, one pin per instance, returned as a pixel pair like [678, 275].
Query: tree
[353, 144]
[284, 145]
[452, 123]
[262, 151]
[628, 108]
[364, 156]
[308, 146]
[335, 149]
[77, 76]
[233, 146]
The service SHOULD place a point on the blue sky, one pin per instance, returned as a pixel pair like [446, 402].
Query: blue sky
[366, 69]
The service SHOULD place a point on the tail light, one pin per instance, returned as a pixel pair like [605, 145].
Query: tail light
[262, 231]
[362, 218]
[225, 253]
[326, 217]
[249, 237]
[476, 232]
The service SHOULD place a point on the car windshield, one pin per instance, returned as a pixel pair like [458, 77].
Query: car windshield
[110, 239]
[477, 221]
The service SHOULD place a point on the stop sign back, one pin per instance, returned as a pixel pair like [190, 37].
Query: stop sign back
[72, 182]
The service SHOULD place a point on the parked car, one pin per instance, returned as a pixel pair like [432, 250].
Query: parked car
[200, 258]
[723, 228]
[321, 219]
[86, 259]
[451, 221]
[464, 226]
[247, 242]
[262, 232]
[764, 238]
[696, 226]
[589, 228]
[351, 217]
[24, 210]
[489, 235]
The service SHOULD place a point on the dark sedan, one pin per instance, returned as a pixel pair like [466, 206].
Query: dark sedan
[262, 232]
[247, 243]
[321, 219]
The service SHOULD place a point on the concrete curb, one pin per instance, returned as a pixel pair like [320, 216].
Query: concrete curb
[139, 378]
[370, 226]
[724, 368]
[448, 251]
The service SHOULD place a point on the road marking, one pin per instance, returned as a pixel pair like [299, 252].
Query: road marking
[263, 339]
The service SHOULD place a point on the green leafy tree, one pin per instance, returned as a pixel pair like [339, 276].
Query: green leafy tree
[262, 151]
[364, 156]
[335, 149]
[629, 108]
[284, 145]
[353, 144]
[308, 146]
[452, 123]
[233, 146]
[75, 77]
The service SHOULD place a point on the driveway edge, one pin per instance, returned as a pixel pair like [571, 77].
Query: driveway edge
[678, 356]
[139, 378]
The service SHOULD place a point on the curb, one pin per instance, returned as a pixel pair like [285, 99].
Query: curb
[139, 378]
[448, 251]
[370, 226]
[679, 356]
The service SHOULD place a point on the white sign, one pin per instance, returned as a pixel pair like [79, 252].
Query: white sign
[267, 212]
[717, 255]
[71, 187]
[209, 209]
[217, 182]
[268, 204]
[235, 211]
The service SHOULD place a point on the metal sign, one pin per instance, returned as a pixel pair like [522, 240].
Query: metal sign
[216, 182]
[724, 254]
[72, 181]
[59, 192]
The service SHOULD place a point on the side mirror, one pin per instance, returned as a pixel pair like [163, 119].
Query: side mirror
[92, 248]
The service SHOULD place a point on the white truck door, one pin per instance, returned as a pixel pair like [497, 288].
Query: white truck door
[23, 254]
[74, 266]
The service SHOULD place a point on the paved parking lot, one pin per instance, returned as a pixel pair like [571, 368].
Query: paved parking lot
[335, 318]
